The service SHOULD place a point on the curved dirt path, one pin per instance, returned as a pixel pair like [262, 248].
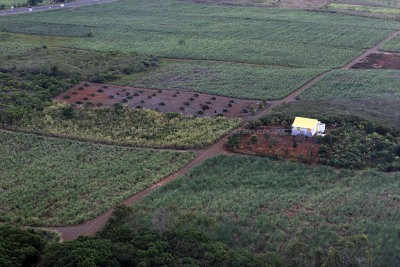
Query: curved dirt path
[92, 226]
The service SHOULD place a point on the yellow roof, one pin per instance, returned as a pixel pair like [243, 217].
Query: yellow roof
[304, 123]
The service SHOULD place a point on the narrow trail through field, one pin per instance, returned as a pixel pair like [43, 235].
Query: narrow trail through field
[92, 226]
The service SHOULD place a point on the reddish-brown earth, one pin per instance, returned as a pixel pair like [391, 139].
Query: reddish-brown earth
[162, 101]
[274, 141]
[379, 61]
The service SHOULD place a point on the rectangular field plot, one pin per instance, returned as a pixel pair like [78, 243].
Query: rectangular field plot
[264, 205]
[48, 181]
[356, 84]
[228, 79]
[186, 30]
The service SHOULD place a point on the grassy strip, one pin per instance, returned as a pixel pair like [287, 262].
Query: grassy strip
[125, 126]
[353, 84]
[48, 181]
[228, 79]
[39, 40]
[187, 30]
[371, 9]
[264, 205]
[392, 46]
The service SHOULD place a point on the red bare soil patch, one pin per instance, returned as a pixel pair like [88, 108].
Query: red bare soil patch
[379, 61]
[164, 101]
[274, 141]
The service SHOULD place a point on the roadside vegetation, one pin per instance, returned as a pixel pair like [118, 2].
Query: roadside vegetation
[264, 205]
[125, 126]
[50, 181]
[227, 79]
[355, 84]
[392, 46]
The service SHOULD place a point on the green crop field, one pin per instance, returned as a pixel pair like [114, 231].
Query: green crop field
[126, 126]
[186, 30]
[353, 84]
[382, 112]
[48, 181]
[9, 49]
[392, 46]
[228, 79]
[265, 205]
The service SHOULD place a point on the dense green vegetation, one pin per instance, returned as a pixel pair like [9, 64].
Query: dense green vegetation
[19, 247]
[125, 126]
[49, 181]
[264, 205]
[228, 79]
[358, 145]
[187, 30]
[30, 82]
[350, 84]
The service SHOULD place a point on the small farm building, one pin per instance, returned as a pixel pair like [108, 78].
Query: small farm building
[307, 127]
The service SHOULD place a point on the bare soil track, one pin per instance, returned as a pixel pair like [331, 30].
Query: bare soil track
[92, 226]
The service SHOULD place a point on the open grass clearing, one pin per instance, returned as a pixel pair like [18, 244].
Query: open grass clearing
[187, 30]
[268, 206]
[228, 79]
[355, 84]
[49, 181]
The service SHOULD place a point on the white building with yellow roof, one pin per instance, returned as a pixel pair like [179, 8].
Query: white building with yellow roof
[307, 127]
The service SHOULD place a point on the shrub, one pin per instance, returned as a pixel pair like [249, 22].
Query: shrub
[200, 112]
[66, 96]
[92, 94]
[253, 138]
[213, 98]
[110, 96]
[142, 101]
[129, 97]
[160, 91]
[100, 90]
[85, 98]
[231, 101]
[136, 94]
[220, 115]
[154, 94]
[245, 110]
[80, 88]
[105, 87]
[196, 95]
[161, 104]
[186, 103]
[74, 93]
[181, 108]
[139, 107]
[86, 85]
[124, 100]
[78, 102]
[191, 99]
[174, 95]
[229, 105]
[224, 110]
[204, 107]
[149, 97]
[99, 104]
[141, 91]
